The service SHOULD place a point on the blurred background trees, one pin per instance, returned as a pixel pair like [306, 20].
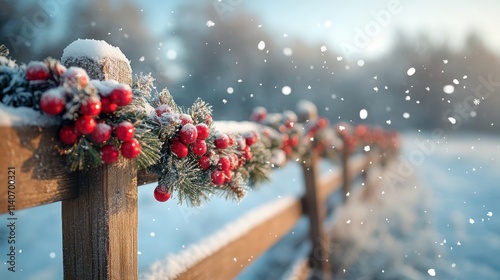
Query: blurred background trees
[224, 65]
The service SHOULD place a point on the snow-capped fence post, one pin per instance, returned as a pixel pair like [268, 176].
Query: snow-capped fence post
[100, 225]
[315, 210]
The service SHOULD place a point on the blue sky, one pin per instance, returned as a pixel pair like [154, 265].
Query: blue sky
[336, 23]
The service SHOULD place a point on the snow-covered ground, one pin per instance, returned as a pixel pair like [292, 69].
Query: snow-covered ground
[451, 214]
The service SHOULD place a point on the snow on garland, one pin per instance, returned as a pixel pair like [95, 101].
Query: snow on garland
[104, 120]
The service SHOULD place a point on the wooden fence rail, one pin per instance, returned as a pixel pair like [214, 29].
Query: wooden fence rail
[100, 212]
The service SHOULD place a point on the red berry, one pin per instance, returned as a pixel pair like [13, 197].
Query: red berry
[101, 133]
[322, 122]
[231, 140]
[208, 119]
[258, 114]
[130, 148]
[60, 69]
[224, 163]
[229, 177]
[188, 133]
[233, 160]
[250, 139]
[160, 110]
[85, 125]
[221, 141]
[204, 162]
[293, 140]
[107, 106]
[91, 106]
[248, 155]
[179, 149]
[121, 95]
[124, 131]
[161, 193]
[76, 76]
[218, 177]
[203, 131]
[185, 119]
[52, 101]
[37, 70]
[109, 154]
[68, 135]
[199, 147]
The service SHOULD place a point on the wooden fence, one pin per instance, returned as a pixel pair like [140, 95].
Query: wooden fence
[100, 210]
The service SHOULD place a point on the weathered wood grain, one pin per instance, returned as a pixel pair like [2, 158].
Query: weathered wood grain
[100, 225]
[41, 173]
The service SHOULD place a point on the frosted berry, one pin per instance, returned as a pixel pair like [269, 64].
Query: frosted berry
[130, 148]
[258, 114]
[124, 131]
[91, 106]
[218, 177]
[188, 133]
[101, 133]
[233, 160]
[221, 141]
[250, 139]
[109, 154]
[322, 122]
[52, 101]
[203, 131]
[160, 110]
[179, 149]
[199, 147]
[204, 162]
[293, 140]
[107, 106]
[121, 95]
[208, 119]
[224, 163]
[228, 177]
[76, 76]
[60, 69]
[68, 135]
[161, 193]
[185, 119]
[37, 70]
[85, 125]
[231, 140]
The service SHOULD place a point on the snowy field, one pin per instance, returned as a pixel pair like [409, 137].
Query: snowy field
[441, 224]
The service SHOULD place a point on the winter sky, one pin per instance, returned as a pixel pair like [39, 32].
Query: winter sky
[336, 24]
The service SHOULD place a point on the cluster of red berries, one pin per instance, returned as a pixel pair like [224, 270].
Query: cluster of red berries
[59, 100]
[222, 163]
[218, 154]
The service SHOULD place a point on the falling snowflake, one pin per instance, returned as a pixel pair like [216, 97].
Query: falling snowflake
[210, 23]
[407, 98]
[431, 272]
[375, 89]
[477, 101]
[323, 49]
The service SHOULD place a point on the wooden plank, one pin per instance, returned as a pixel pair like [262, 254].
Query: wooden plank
[41, 173]
[100, 225]
[315, 211]
[245, 249]
[144, 178]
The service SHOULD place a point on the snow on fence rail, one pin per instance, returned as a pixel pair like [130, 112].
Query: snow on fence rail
[100, 211]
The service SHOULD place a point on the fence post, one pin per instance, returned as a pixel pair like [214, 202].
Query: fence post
[315, 209]
[346, 176]
[100, 224]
